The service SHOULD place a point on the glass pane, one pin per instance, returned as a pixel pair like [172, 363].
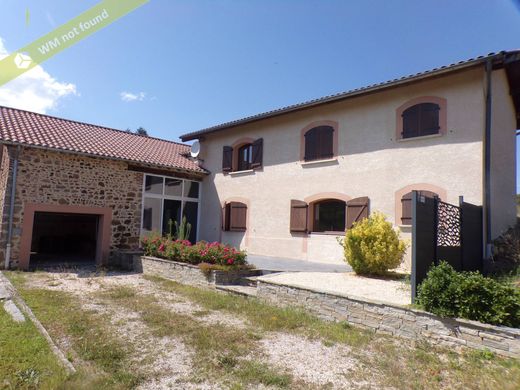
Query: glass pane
[329, 216]
[171, 212]
[191, 189]
[173, 187]
[152, 214]
[190, 212]
[153, 185]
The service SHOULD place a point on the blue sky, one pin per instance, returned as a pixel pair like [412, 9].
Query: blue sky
[193, 64]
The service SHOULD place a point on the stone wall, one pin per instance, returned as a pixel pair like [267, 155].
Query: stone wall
[190, 274]
[67, 179]
[6, 167]
[394, 320]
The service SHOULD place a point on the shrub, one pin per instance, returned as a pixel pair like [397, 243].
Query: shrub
[469, 295]
[372, 246]
[202, 252]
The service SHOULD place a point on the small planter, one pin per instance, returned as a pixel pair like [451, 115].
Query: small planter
[191, 274]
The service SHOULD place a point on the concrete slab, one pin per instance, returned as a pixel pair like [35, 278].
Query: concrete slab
[4, 292]
[13, 311]
[294, 265]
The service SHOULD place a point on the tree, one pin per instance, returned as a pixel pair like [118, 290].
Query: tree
[140, 131]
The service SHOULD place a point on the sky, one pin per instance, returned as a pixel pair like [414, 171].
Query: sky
[178, 66]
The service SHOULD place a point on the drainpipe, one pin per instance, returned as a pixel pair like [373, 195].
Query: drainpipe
[487, 165]
[11, 210]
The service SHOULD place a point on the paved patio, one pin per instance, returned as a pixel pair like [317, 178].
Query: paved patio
[294, 265]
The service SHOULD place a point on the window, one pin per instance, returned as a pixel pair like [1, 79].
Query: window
[169, 199]
[319, 143]
[406, 203]
[329, 216]
[234, 217]
[420, 120]
[243, 157]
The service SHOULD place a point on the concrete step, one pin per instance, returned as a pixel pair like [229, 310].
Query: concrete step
[247, 291]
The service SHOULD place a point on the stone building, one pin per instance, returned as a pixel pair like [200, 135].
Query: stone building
[73, 191]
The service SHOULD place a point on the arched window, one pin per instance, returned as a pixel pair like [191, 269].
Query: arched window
[245, 157]
[329, 216]
[319, 143]
[420, 120]
[406, 202]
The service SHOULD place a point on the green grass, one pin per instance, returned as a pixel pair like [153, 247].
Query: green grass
[100, 356]
[27, 361]
[269, 317]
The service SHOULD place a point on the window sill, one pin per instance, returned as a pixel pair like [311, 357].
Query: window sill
[419, 138]
[328, 161]
[242, 173]
[327, 233]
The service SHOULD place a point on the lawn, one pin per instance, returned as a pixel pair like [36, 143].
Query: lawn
[134, 331]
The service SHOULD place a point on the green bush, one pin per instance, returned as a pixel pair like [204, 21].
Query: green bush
[372, 246]
[469, 295]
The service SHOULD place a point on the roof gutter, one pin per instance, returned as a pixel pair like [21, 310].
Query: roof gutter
[11, 210]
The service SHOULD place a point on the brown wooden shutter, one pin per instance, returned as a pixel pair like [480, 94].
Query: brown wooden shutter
[257, 153]
[227, 158]
[406, 205]
[429, 119]
[326, 144]
[237, 216]
[298, 216]
[411, 122]
[225, 216]
[311, 145]
[357, 210]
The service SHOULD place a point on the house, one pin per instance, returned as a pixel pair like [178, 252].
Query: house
[288, 182]
[75, 191]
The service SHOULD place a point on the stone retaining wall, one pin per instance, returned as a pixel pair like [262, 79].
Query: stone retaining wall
[187, 273]
[395, 320]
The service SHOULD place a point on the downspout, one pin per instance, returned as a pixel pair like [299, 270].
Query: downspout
[487, 165]
[11, 210]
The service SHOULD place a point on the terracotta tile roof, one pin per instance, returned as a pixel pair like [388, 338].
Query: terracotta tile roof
[497, 57]
[32, 129]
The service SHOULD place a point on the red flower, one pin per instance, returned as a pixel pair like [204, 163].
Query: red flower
[230, 261]
[161, 248]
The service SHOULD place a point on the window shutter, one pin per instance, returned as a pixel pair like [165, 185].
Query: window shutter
[258, 147]
[326, 135]
[225, 217]
[311, 145]
[227, 159]
[298, 216]
[429, 119]
[357, 210]
[238, 215]
[411, 122]
[406, 205]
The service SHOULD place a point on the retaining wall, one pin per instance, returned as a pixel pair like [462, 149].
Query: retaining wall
[395, 320]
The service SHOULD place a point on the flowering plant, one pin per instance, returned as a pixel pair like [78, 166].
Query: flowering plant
[213, 253]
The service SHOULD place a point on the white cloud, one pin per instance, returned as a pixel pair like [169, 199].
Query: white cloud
[132, 97]
[35, 90]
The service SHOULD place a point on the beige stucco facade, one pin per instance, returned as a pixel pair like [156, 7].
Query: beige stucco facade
[370, 162]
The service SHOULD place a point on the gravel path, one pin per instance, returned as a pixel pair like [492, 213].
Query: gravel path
[348, 283]
[169, 362]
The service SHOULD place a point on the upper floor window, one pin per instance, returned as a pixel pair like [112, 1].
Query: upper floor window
[421, 119]
[243, 156]
[319, 143]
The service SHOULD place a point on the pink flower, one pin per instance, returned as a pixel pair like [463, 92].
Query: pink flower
[161, 248]
[230, 261]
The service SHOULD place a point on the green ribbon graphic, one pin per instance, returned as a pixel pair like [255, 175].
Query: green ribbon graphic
[68, 34]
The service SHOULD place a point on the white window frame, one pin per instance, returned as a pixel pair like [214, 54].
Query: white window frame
[163, 197]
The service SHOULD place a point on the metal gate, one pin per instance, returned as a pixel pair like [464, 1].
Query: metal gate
[442, 231]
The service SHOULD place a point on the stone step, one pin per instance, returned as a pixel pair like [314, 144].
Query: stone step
[247, 291]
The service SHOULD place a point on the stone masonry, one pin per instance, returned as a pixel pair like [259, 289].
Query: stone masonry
[71, 179]
[395, 320]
